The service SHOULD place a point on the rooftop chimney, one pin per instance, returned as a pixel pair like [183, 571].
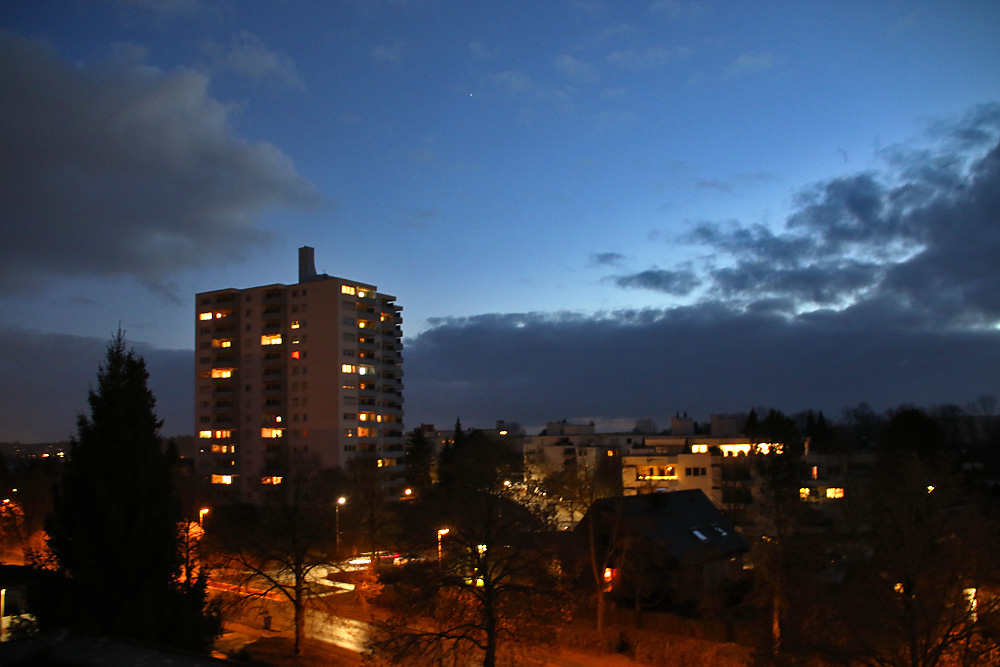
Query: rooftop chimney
[307, 264]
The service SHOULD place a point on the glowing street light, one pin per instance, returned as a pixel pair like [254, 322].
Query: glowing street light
[441, 533]
[201, 515]
[340, 501]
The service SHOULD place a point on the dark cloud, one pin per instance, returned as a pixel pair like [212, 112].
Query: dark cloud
[534, 368]
[607, 259]
[678, 283]
[881, 286]
[923, 233]
[124, 170]
[37, 407]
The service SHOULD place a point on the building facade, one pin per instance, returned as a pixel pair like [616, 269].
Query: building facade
[288, 375]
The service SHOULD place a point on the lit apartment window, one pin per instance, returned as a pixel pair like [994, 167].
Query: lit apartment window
[223, 449]
[804, 493]
[366, 370]
[222, 479]
[295, 354]
[271, 479]
[224, 434]
[273, 339]
[363, 324]
[221, 342]
[364, 432]
[699, 449]
[348, 368]
[296, 324]
[366, 416]
[204, 434]
[205, 316]
[835, 492]
[271, 432]
[222, 373]
[347, 289]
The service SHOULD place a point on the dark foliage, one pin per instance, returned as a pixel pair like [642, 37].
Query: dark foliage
[114, 531]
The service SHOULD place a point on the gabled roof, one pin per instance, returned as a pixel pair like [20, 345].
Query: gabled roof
[684, 523]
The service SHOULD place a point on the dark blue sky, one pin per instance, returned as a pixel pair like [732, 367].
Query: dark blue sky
[589, 210]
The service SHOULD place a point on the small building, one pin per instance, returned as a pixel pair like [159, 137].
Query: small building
[675, 549]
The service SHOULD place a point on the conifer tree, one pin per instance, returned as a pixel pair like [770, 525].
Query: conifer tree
[114, 530]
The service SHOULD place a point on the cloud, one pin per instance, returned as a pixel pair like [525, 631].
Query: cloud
[534, 367]
[607, 259]
[752, 63]
[165, 8]
[124, 171]
[576, 69]
[648, 58]
[248, 57]
[388, 53]
[922, 233]
[36, 409]
[677, 283]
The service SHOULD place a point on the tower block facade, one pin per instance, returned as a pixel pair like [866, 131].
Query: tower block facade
[291, 375]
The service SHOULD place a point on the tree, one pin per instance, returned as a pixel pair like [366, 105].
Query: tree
[114, 526]
[776, 462]
[281, 547]
[576, 488]
[495, 581]
[419, 461]
[923, 595]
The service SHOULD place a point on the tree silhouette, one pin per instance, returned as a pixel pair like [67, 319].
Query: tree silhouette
[114, 526]
[496, 581]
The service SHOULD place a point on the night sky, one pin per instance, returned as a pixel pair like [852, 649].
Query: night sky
[593, 210]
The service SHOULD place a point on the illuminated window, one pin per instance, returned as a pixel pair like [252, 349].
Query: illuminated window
[815, 472]
[362, 294]
[834, 492]
[223, 434]
[348, 368]
[204, 434]
[222, 373]
[221, 342]
[735, 450]
[804, 493]
[700, 535]
[295, 354]
[222, 479]
[366, 370]
[366, 416]
[205, 316]
[347, 289]
[699, 449]
[271, 432]
[271, 479]
[223, 449]
[363, 323]
[296, 324]
[365, 432]
[274, 339]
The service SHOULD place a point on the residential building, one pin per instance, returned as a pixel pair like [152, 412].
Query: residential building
[285, 375]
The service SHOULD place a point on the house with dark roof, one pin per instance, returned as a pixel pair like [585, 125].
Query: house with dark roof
[672, 550]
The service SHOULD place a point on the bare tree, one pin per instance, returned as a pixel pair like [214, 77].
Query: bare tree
[281, 548]
[495, 582]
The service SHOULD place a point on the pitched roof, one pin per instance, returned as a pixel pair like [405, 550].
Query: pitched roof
[685, 523]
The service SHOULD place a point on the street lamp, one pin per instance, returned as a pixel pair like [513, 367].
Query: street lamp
[340, 501]
[201, 515]
[441, 533]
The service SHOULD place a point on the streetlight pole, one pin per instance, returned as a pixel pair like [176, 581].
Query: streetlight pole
[441, 533]
[201, 515]
[340, 501]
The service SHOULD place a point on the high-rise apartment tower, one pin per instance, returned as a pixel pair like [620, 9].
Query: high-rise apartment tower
[290, 375]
